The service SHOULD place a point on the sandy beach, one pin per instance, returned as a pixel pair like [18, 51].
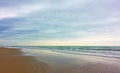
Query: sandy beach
[13, 61]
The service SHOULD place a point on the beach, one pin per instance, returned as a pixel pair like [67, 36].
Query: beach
[14, 61]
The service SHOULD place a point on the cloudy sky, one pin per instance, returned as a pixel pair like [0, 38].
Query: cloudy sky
[60, 22]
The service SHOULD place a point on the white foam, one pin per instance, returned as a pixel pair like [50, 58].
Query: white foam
[115, 54]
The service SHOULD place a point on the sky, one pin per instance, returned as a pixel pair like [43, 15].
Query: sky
[59, 22]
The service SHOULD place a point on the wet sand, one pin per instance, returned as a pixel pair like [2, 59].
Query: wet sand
[13, 61]
[72, 63]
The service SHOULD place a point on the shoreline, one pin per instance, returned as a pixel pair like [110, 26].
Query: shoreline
[109, 55]
[13, 61]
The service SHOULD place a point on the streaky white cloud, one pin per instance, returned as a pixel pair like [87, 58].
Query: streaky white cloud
[5, 13]
[72, 3]
[51, 31]
[23, 10]
[105, 21]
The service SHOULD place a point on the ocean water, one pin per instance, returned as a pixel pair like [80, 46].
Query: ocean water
[107, 51]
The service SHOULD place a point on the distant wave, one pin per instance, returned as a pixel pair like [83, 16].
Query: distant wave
[108, 51]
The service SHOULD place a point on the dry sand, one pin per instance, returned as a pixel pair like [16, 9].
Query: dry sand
[12, 61]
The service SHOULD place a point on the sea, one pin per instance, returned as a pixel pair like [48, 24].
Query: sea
[104, 51]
